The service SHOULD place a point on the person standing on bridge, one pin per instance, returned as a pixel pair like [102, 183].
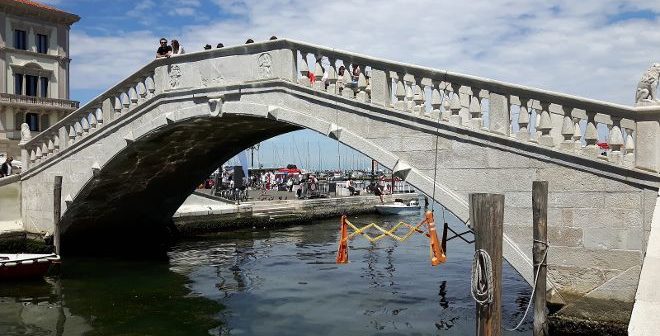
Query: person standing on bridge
[164, 50]
[177, 49]
[5, 169]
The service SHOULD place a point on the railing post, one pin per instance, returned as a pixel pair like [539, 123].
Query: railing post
[499, 115]
[647, 145]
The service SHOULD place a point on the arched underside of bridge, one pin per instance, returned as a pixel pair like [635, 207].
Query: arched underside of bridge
[132, 199]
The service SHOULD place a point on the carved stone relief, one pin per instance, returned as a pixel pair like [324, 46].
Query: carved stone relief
[211, 75]
[174, 73]
[265, 63]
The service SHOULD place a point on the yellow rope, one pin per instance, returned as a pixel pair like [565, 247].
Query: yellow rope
[412, 229]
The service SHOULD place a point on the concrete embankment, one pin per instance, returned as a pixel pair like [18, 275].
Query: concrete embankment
[200, 214]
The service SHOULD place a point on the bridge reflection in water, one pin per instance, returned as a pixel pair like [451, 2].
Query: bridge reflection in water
[279, 282]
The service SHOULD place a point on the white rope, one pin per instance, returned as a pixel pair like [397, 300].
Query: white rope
[536, 278]
[482, 278]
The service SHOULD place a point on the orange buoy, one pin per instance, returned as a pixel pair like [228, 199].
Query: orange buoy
[437, 253]
[342, 250]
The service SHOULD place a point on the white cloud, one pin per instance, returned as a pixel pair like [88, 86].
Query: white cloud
[558, 45]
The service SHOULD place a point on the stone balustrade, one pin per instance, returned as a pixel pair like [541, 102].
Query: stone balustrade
[542, 118]
[553, 120]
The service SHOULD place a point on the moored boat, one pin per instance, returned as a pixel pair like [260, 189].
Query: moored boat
[398, 207]
[25, 266]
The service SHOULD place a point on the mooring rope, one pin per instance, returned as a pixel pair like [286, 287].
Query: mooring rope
[482, 280]
[536, 278]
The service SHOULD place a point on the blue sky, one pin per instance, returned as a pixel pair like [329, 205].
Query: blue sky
[592, 48]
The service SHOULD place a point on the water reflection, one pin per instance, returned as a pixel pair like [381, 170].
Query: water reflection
[280, 282]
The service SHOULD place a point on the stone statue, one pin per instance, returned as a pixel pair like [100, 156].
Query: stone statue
[646, 89]
[25, 133]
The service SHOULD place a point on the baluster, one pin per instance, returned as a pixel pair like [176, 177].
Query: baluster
[476, 120]
[303, 67]
[44, 150]
[132, 96]
[84, 125]
[56, 143]
[79, 130]
[362, 95]
[99, 116]
[615, 141]
[629, 156]
[91, 118]
[117, 106]
[410, 104]
[318, 74]
[577, 132]
[142, 90]
[418, 97]
[38, 153]
[455, 106]
[332, 77]
[126, 101]
[72, 135]
[400, 93]
[436, 100]
[33, 156]
[51, 146]
[150, 86]
[523, 120]
[545, 126]
[446, 107]
[567, 130]
[591, 136]
[349, 87]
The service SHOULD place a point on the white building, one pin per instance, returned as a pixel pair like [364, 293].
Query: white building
[34, 69]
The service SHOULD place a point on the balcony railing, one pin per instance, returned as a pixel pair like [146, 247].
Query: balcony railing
[31, 100]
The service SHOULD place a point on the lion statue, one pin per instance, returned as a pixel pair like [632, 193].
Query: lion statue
[646, 89]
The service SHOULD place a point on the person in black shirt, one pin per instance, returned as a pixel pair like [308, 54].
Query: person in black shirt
[164, 50]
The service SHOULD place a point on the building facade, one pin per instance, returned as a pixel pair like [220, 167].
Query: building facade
[34, 69]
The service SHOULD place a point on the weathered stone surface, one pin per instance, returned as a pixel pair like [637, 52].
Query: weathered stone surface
[597, 259]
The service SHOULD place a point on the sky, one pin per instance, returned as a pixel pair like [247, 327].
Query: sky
[591, 48]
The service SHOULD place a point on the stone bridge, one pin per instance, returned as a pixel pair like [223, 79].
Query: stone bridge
[132, 155]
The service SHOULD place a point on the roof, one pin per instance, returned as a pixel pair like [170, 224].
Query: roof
[29, 4]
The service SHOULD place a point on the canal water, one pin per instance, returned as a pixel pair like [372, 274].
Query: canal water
[264, 282]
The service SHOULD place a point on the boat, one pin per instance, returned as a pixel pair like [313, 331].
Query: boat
[399, 207]
[25, 266]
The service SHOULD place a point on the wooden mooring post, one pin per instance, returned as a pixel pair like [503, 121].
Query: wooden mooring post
[487, 216]
[57, 212]
[540, 224]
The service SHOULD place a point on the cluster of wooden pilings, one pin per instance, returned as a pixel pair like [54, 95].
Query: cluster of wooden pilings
[487, 216]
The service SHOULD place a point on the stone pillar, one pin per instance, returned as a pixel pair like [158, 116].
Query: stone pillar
[647, 149]
[499, 117]
[380, 87]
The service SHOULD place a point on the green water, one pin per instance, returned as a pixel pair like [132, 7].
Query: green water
[260, 282]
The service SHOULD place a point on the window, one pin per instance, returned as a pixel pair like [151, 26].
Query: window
[42, 43]
[20, 39]
[32, 119]
[18, 84]
[45, 121]
[31, 85]
[44, 86]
